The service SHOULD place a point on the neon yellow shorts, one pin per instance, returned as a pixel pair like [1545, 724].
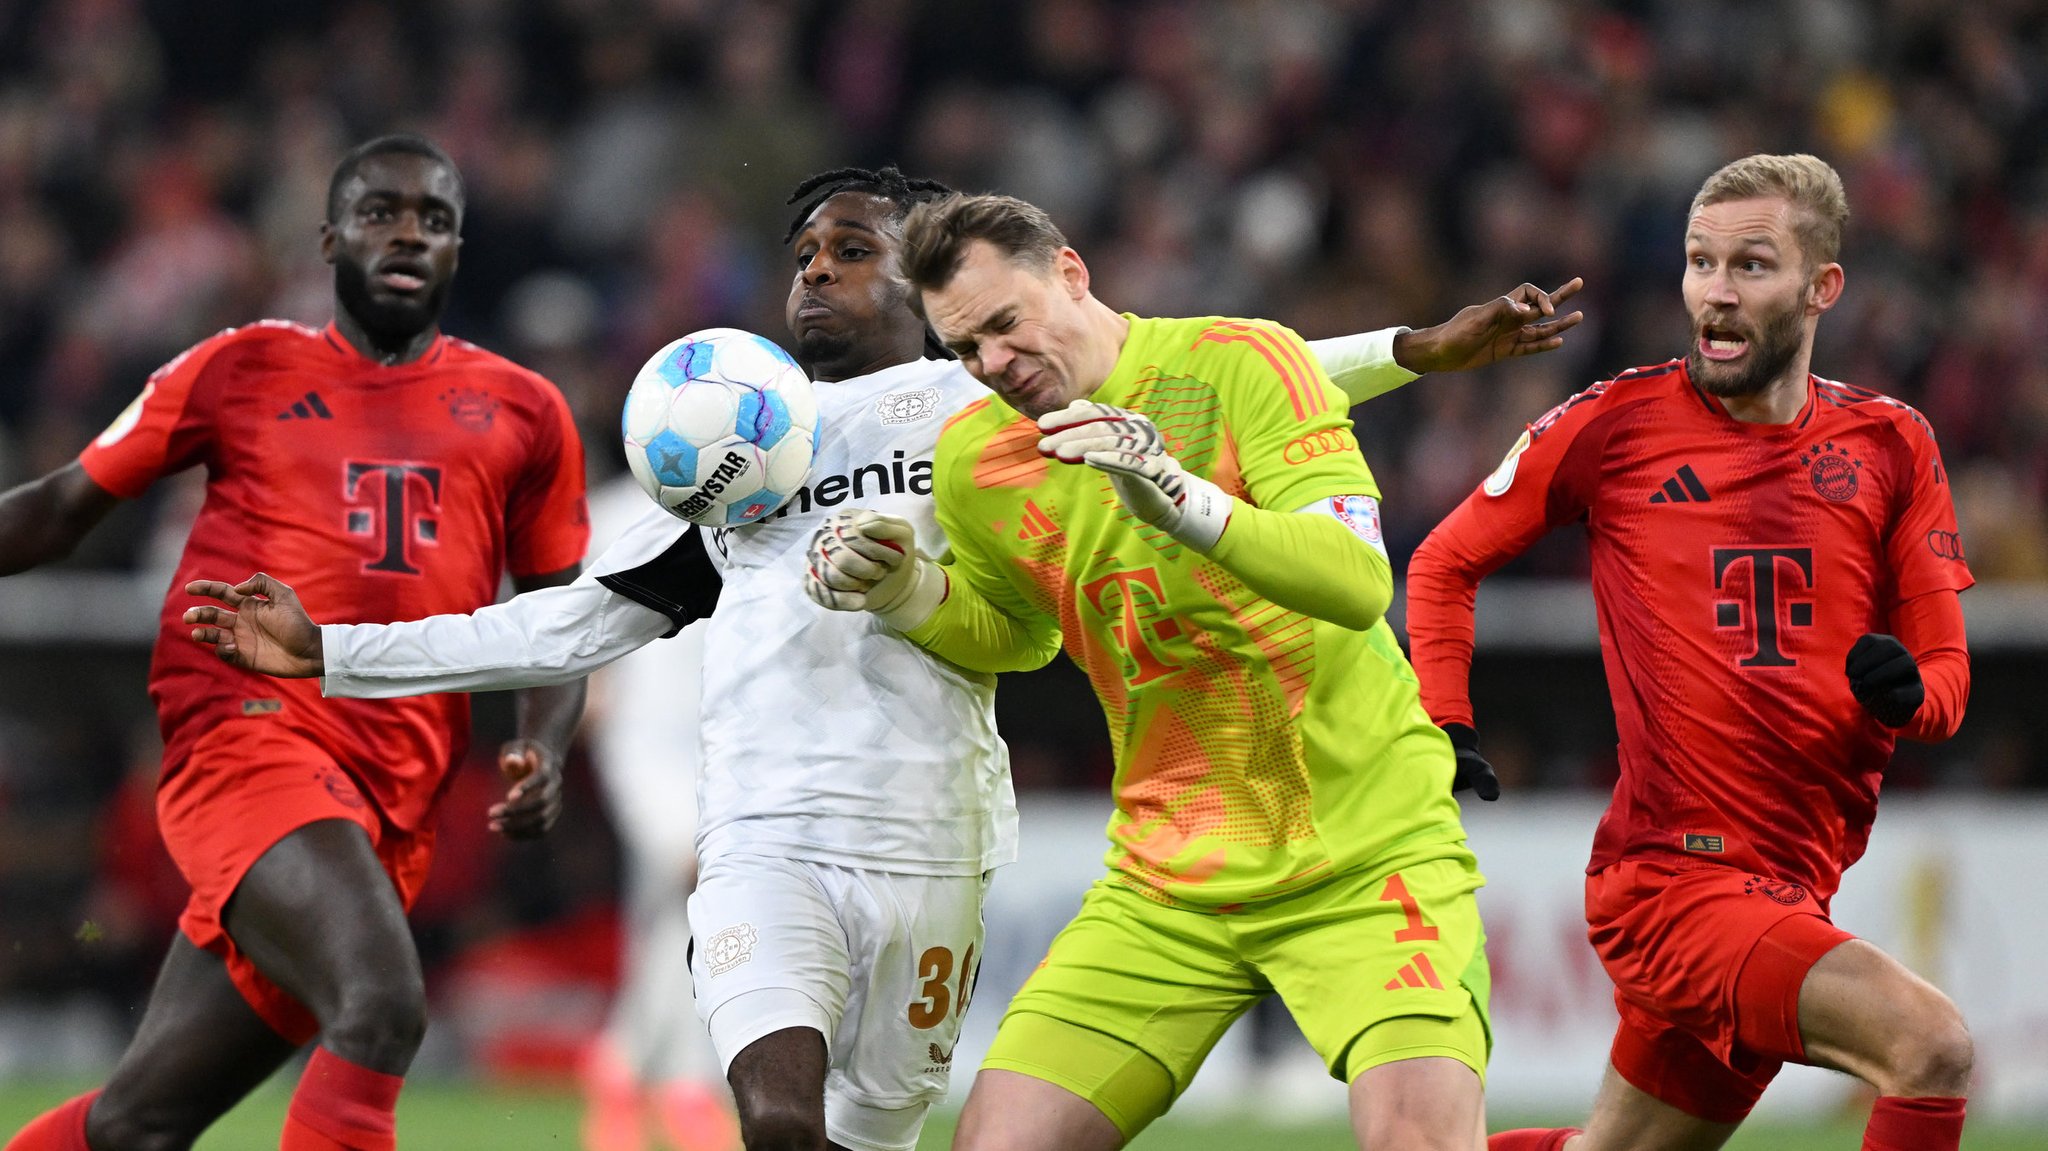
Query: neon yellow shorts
[1376, 967]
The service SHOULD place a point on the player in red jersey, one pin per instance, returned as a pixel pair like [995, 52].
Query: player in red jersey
[389, 472]
[1759, 538]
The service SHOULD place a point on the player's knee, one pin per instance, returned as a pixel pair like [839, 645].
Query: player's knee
[378, 1021]
[771, 1124]
[1935, 1057]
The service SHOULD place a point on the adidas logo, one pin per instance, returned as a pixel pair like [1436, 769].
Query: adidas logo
[1683, 488]
[309, 408]
[1037, 525]
[1417, 972]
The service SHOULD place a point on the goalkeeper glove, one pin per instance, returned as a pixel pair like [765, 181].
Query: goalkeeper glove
[1472, 771]
[860, 560]
[1149, 481]
[1885, 679]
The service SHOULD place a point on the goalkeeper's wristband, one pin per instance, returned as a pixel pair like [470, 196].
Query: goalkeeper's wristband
[1204, 513]
[924, 589]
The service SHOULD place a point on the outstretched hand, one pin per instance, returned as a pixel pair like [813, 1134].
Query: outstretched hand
[1524, 322]
[534, 801]
[261, 628]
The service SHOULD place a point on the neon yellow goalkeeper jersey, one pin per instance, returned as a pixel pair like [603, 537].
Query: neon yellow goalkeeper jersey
[1258, 749]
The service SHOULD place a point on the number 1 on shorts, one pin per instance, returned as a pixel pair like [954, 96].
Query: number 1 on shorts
[1416, 932]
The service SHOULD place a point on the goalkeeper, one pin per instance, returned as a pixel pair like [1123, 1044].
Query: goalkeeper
[1182, 502]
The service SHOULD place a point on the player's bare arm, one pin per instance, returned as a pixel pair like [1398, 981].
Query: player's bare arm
[546, 718]
[260, 626]
[44, 519]
[1523, 322]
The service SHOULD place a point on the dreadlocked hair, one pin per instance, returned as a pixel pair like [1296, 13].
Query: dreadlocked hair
[889, 184]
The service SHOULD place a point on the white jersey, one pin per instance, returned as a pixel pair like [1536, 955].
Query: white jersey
[827, 736]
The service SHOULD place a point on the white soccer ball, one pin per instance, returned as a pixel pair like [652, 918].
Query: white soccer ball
[720, 427]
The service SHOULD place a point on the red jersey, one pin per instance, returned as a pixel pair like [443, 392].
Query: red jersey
[1733, 566]
[378, 492]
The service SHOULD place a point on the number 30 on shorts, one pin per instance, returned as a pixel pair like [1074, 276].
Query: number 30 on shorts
[936, 995]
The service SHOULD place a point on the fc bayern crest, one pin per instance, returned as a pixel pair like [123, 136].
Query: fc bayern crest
[1776, 890]
[1835, 473]
[473, 408]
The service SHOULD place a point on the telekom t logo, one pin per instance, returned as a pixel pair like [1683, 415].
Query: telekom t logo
[1131, 587]
[398, 502]
[1764, 571]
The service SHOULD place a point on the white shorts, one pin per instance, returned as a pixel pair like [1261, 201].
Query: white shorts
[881, 964]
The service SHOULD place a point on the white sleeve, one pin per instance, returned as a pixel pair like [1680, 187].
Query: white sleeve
[1363, 364]
[549, 636]
[650, 583]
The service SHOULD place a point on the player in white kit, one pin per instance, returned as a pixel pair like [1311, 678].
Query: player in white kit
[854, 794]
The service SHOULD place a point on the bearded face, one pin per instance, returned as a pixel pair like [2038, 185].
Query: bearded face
[389, 318]
[1767, 340]
[1754, 294]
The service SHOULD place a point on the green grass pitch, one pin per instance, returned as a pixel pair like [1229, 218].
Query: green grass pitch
[445, 1116]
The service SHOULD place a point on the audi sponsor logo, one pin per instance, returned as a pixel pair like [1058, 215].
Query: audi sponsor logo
[1947, 545]
[1317, 444]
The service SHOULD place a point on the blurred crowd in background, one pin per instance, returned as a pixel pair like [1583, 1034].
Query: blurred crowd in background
[1338, 165]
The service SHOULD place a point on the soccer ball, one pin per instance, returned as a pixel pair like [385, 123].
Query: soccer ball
[720, 427]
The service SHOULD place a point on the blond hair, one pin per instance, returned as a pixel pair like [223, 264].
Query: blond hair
[936, 235]
[1807, 182]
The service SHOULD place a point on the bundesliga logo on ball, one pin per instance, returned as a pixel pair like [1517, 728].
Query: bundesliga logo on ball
[720, 427]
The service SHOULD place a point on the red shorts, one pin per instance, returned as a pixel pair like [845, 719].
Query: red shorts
[245, 785]
[1707, 965]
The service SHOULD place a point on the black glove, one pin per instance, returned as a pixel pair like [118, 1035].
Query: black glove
[1473, 771]
[1885, 679]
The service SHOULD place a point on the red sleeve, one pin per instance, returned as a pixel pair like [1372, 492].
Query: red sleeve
[168, 428]
[1924, 551]
[1931, 627]
[547, 523]
[1546, 480]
